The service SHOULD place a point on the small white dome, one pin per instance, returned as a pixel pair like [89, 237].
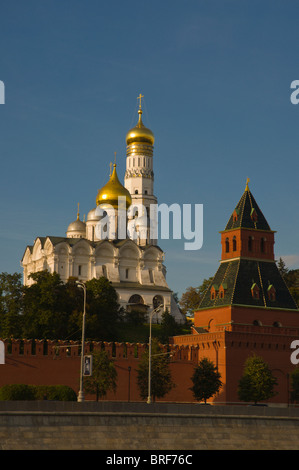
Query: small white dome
[77, 226]
[92, 215]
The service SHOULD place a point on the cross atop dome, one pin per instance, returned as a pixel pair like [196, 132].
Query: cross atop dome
[140, 98]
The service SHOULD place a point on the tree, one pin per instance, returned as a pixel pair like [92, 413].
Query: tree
[190, 300]
[104, 375]
[291, 278]
[45, 307]
[135, 316]
[11, 305]
[282, 268]
[292, 281]
[103, 310]
[206, 380]
[161, 379]
[192, 297]
[169, 327]
[257, 382]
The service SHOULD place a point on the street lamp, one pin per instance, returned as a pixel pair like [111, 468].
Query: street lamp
[81, 393]
[149, 399]
[129, 370]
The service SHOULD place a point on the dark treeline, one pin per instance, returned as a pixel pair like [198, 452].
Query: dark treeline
[51, 309]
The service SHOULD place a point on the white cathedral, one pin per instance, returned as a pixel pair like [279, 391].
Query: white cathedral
[134, 263]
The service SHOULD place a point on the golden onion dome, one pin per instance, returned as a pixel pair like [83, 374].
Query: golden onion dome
[112, 190]
[140, 133]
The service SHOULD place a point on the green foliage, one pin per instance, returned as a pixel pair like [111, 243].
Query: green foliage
[206, 380]
[55, 392]
[104, 375]
[135, 317]
[292, 281]
[11, 291]
[44, 307]
[17, 392]
[102, 311]
[161, 380]
[192, 297]
[25, 392]
[51, 309]
[169, 327]
[257, 382]
[291, 278]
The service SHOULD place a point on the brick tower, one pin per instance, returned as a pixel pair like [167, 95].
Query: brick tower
[247, 307]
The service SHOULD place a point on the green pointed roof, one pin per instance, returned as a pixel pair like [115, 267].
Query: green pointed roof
[239, 276]
[247, 214]
[243, 278]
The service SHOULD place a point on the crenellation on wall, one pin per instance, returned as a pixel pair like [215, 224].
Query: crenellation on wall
[64, 348]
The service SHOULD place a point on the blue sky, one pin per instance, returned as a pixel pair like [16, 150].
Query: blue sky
[216, 78]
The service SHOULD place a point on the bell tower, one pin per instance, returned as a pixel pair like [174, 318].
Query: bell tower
[139, 178]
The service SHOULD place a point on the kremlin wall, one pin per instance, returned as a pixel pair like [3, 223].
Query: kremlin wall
[58, 363]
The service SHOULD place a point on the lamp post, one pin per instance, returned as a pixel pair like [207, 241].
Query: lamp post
[149, 398]
[129, 370]
[81, 393]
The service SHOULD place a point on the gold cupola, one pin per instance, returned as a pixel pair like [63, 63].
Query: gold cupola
[112, 190]
[140, 138]
[140, 133]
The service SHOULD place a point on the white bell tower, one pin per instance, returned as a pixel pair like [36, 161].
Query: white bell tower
[139, 178]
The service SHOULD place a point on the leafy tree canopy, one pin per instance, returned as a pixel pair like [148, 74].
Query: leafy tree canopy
[206, 380]
[104, 375]
[257, 382]
[11, 306]
[192, 297]
[161, 379]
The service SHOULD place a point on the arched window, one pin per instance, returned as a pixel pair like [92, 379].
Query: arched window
[249, 243]
[136, 299]
[262, 245]
[157, 300]
[234, 244]
[226, 245]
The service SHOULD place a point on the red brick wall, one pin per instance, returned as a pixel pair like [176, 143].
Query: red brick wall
[241, 237]
[227, 349]
[49, 363]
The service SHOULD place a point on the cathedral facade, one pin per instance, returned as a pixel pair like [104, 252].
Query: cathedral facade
[133, 262]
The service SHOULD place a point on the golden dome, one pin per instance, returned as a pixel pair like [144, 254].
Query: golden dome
[140, 133]
[111, 191]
